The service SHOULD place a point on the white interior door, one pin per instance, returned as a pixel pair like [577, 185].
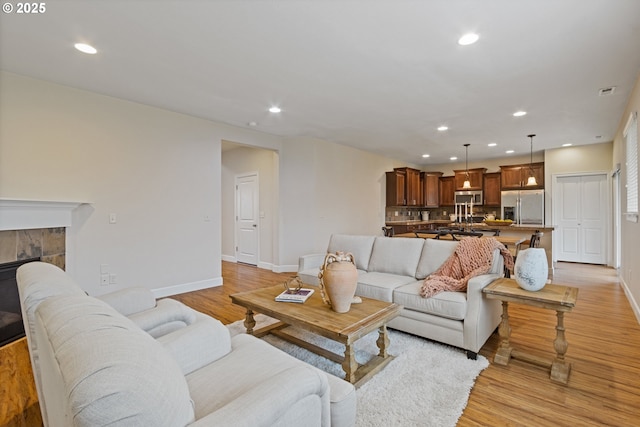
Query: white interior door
[247, 233]
[582, 201]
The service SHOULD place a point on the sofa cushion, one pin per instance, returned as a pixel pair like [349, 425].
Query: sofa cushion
[380, 286]
[359, 246]
[198, 344]
[396, 255]
[452, 305]
[108, 370]
[434, 253]
[252, 364]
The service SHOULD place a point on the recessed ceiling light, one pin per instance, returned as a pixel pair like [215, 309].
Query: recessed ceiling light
[509, 151]
[491, 144]
[519, 113]
[468, 39]
[85, 48]
[443, 128]
[567, 145]
[426, 155]
[274, 109]
[453, 158]
[253, 124]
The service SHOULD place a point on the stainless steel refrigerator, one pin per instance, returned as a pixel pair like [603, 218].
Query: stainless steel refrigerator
[523, 206]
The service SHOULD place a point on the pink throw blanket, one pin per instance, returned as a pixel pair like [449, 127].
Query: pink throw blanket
[471, 258]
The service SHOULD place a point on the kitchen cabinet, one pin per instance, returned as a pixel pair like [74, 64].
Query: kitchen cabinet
[430, 184]
[396, 188]
[475, 178]
[403, 187]
[515, 177]
[409, 228]
[492, 189]
[447, 188]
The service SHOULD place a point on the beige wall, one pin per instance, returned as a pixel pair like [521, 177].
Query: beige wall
[630, 231]
[159, 171]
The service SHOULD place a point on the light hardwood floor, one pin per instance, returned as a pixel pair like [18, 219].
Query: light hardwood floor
[604, 345]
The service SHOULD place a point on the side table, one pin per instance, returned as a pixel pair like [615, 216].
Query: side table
[560, 298]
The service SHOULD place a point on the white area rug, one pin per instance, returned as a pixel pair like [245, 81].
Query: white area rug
[427, 384]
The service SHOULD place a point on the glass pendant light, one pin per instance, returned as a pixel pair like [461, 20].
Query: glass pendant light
[532, 179]
[467, 182]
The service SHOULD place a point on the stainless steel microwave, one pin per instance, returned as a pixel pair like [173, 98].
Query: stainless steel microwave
[469, 197]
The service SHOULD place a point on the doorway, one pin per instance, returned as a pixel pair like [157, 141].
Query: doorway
[246, 218]
[581, 212]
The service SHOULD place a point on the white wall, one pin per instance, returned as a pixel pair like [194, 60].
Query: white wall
[630, 231]
[328, 188]
[159, 171]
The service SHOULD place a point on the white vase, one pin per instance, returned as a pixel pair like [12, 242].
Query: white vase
[531, 269]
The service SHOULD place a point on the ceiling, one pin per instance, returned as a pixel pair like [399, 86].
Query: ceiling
[376, 75]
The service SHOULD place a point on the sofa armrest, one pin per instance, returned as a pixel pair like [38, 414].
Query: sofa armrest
[202, 342]
[310, 261]
[287, 389]
[129, 301]
[167, 316]
[483, 315]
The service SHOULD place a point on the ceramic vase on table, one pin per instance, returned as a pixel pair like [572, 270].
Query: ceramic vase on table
[531, 269]
[338, 281]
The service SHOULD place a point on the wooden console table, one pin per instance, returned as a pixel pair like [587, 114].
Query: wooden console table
[560, 298]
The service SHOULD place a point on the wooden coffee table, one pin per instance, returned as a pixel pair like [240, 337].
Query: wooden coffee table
[560, 298]
[318, 318]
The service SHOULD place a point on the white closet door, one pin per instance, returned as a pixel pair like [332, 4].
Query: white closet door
[582, 202]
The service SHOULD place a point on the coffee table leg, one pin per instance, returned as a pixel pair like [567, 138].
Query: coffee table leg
[383, 341]
[503, 354]
[349, 365]
[560, 368]
[249, 321]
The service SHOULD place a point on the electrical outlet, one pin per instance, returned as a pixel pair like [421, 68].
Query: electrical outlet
[104, 279]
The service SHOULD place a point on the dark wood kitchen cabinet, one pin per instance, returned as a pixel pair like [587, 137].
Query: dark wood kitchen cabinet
[475, 178]
[403, 187]
[491, 191]
[447, 188]
[515, 177]
[430, 183]
[395, 188]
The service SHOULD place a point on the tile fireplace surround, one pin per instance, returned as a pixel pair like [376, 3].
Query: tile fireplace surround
[45, 243]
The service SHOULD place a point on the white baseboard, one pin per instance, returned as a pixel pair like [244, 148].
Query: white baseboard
[632, 301]
[266, 265]
[186, 287]
[229, 258]
[285, 268]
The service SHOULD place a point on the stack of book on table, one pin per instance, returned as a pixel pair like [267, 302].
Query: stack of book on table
[299, 296]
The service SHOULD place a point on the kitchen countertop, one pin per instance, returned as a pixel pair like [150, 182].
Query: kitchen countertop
[479, 225]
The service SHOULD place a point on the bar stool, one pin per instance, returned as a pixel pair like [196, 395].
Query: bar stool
[388, 231]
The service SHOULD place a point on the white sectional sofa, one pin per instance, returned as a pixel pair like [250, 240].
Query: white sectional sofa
[135, 362]
[394, 268]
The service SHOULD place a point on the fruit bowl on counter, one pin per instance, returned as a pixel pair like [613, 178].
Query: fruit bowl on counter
[498, 222]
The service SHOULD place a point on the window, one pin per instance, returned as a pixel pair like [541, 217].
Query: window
[631, 141]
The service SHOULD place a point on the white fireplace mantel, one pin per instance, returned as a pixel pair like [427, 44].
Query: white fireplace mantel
[18, 214]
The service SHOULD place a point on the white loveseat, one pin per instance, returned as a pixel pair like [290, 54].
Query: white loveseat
[394, 268]
[96, 366]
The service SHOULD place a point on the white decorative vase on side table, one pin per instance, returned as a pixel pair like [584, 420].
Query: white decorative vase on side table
[531, 269]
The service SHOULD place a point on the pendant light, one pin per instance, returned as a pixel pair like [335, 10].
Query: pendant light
[532, 179]
[467, 182]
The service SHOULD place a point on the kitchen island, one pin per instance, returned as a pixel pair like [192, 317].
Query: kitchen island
[514, 230]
